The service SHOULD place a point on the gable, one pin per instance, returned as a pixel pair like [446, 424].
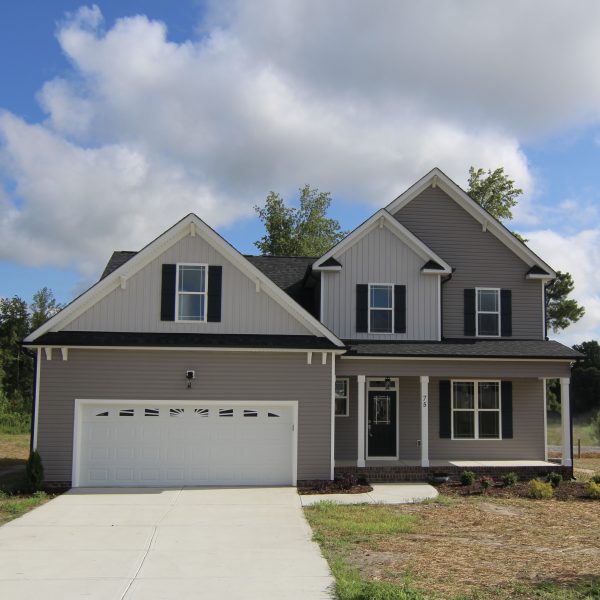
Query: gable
[127, 298]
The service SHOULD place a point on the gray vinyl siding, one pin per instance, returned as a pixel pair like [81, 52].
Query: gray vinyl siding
[527, 442]
[137, 308]
[381, 257]
[160, 375]
[478, 258]
[346, 432]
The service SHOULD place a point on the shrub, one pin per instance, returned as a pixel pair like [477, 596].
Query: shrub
[539, 489]
[486, 482]
[509, 479]
[467, 478]
[595, 478]
[554, 479]
[34, 471]
[346, 481]
[592, 490]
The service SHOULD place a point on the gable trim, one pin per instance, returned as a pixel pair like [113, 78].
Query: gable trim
[437, 178]
[382, 218]
[189, 225]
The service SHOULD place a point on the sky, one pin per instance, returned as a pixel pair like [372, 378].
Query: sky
[119, 118]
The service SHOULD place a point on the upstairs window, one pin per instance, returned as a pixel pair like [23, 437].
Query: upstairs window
[381, 308]
[488, 312]
[341, 397]
[191, 292]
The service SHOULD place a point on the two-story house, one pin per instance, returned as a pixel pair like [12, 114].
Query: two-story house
[416, 344]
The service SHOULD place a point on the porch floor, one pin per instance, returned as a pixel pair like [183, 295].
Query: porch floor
[436, 464]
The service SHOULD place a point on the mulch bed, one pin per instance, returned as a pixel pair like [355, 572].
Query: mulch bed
[567, 490]
[333, 487]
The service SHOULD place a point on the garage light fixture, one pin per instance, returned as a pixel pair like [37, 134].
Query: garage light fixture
[190, 375]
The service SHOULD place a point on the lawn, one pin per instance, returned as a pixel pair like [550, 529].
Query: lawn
[462, 548]
[582, 430]
[14, 449]
[12, 507]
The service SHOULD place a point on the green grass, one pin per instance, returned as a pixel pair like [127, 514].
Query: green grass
[582, 430]
[12, 507]
[574, 590]
[14, 423]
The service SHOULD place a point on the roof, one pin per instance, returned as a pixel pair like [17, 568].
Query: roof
[118, 258]
[181, 340]
[458, 348]
[436, 177]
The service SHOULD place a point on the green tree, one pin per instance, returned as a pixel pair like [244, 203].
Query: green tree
[302, 231]
[43, 307]
[16, 367]
[591, 352]
[496, 192]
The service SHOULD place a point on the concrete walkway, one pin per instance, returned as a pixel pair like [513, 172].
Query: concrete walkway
[383, 493]
[164, 544]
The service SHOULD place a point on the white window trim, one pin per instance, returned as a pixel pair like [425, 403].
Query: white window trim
[487, 312]
[347, 380]
[204, 293]
[390, 285]
[475, 410]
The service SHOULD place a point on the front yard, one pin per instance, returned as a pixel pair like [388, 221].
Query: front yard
[462, 548]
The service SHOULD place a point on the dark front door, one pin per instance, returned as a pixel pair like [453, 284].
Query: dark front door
[382, 423]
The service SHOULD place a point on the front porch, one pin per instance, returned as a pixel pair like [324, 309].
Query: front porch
[417, 433]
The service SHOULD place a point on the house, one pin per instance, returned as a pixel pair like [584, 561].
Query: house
[418, 343]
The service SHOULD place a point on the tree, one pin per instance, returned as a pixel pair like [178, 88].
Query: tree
[591, 352]
[497, 193]
[43, 307]
[16, 367]
[302, 231]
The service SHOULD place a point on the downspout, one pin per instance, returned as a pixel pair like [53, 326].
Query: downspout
[445, 280]
[546, 308]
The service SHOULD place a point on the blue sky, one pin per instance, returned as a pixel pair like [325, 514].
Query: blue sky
[117, 119]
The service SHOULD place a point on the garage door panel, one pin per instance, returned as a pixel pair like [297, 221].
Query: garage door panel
[195, 444]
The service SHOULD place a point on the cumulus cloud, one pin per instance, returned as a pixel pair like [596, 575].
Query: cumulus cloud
[359, 99]
[578, 254]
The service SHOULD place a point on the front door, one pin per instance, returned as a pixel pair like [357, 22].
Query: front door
[382, 424]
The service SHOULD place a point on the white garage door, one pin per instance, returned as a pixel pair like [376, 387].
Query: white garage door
[170, 443]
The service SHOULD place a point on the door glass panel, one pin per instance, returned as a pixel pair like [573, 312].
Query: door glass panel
[381, 410]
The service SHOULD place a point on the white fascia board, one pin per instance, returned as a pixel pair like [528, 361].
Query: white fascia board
[383, 218]
[539, 276]
[195, 349]
[190, 223]
[495, 227]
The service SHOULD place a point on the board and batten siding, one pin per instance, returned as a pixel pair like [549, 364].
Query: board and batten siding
[478, 258]
[380, 257]
[137, 307]
[160, 375]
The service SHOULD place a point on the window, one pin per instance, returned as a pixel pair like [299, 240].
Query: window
[191, 292]
[341, 397]
[381, 308]
[488, 312]
[476, 410]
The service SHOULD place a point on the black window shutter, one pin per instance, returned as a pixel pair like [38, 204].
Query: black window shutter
[469, 322]
[445, 409]
[506, 312]
[167, 294]
[507, 411]
[399, 309]
[215, 291]
[362, 308]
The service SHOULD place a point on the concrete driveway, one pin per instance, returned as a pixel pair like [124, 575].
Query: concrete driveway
[149, 544]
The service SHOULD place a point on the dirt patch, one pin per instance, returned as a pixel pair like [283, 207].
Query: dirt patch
[332, 488]
[477, 545]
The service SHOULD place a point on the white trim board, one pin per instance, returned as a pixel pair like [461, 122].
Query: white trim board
[382, 218]
[190, 348]
[189, 225]
[438, 178]
[80, 402]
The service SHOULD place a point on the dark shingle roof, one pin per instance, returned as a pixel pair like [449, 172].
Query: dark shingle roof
[118, 258]
[285, 271]
[182, 340]
[465, 348]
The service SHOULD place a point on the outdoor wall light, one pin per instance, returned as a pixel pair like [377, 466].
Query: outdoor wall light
[190, 375]
[388, 383]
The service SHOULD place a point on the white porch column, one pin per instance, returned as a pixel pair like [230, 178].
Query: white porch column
[565, 418]
[543, 380]
[360, 462]
[424, 420]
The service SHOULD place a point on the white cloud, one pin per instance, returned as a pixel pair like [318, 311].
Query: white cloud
[578, 254]
[355, 98]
